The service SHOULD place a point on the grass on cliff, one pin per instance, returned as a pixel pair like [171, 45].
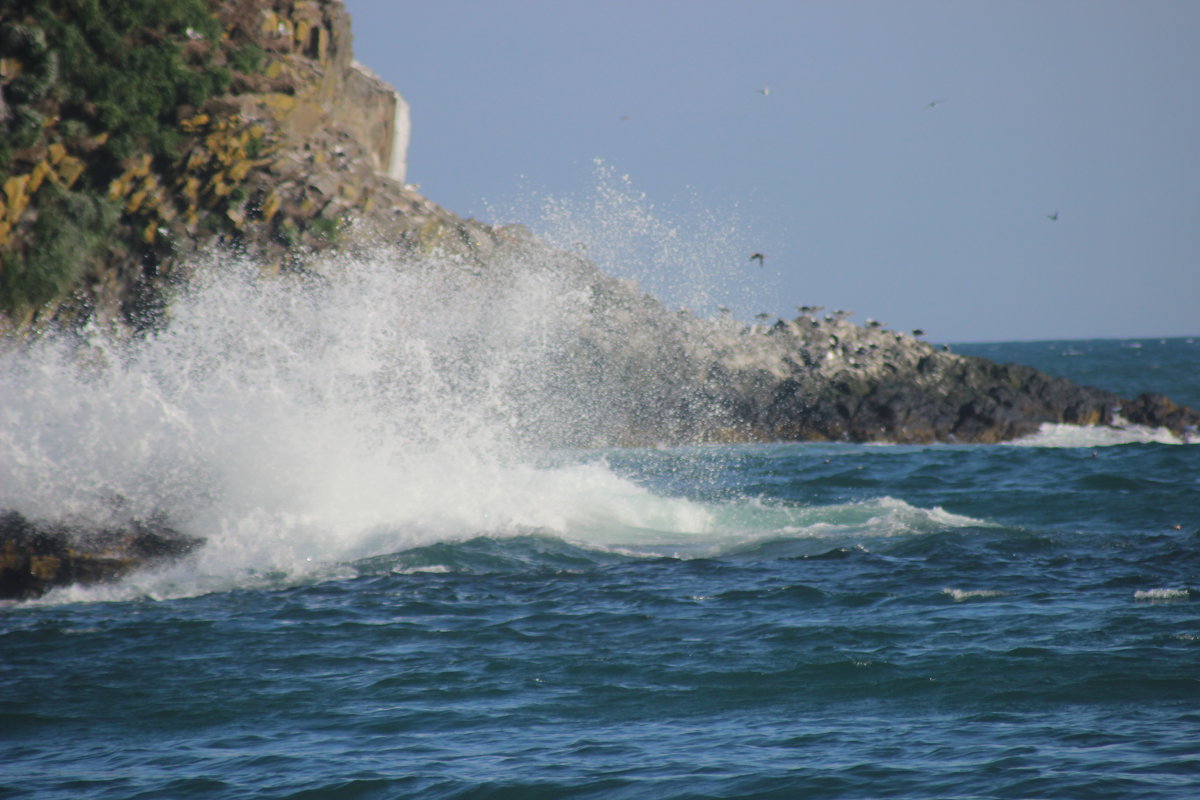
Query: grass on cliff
[121, 68]
[71, 229]
[113, 73]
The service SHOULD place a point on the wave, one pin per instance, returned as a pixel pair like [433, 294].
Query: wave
[304, 424]
[1165, 595]
[1062, 435]
[589, 517]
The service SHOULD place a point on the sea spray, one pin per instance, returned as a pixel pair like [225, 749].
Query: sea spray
[379, 401]
[370, 404]
[693, 259]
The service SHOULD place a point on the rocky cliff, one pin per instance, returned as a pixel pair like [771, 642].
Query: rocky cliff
[134, 141]
[230, 123]
[144, 135]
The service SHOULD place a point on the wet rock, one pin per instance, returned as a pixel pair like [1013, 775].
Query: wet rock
[37, 556]
[1157, 411]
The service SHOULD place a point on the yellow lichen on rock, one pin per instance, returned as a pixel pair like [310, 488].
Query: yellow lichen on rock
[39, 173]
[239, 169]
[141, 167]
[69, 170]
[44, 567]
[194, 124]
[16, 196]
[270, 206]
[135, 201]
[119, 186]
[190, 188]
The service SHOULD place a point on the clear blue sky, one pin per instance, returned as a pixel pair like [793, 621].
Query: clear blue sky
[860, 194]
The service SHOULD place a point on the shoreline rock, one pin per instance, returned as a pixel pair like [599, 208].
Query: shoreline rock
[37, 556]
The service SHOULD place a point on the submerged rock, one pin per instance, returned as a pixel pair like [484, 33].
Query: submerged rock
[38, 556]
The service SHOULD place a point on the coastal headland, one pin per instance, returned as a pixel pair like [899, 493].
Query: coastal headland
[134, 145]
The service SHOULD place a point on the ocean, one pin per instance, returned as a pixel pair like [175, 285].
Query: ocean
[398, 600]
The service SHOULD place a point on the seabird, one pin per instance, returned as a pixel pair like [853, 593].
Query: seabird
[935, 103]
[1052, 217]
[918, 332]
[757, 257]
[764, 91]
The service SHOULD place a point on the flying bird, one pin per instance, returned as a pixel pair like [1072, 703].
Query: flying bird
[934, 103]
[1052, 217]
[759, 257]
[764, 91]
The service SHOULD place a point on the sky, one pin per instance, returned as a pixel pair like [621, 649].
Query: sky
[984, 171]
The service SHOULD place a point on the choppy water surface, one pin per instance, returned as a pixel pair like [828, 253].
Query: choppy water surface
[851, 621]
[394, 603]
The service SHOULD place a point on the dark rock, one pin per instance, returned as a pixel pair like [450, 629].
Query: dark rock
[38, 556]
[1158, 411]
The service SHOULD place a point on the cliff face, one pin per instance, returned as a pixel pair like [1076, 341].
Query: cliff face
[259, 132]
[272, 141]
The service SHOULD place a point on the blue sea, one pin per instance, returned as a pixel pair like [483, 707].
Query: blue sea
[396, 601]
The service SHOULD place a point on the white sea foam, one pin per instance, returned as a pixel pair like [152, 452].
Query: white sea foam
[963, 595]
[621, 231]
[294, 424]
[298, 424]
[1056, 435]
[1162, 595]
[877, 517]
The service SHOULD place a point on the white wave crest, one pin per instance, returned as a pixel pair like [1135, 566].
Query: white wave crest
[1061, 435]
[963, 595]
[1162, 595]
[299, 423]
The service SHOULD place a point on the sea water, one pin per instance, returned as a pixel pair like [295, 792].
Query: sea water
[402, 596]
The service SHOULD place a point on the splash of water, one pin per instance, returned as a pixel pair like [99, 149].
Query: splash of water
[1059, 435]
[699, 264]
[375, 404]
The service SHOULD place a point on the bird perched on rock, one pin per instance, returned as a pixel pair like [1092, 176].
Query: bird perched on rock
[757, 257]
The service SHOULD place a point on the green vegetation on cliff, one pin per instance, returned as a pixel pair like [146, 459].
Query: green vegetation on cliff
[84, 86]
[139, 136]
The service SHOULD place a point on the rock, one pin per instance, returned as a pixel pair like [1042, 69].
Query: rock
[307, 148]
[1157, 411]
[38, 556]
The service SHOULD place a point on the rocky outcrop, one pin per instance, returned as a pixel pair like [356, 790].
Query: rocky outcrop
[301, 143]
[818, 378]
[279, 146]
[292, 149]
[38, 556]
